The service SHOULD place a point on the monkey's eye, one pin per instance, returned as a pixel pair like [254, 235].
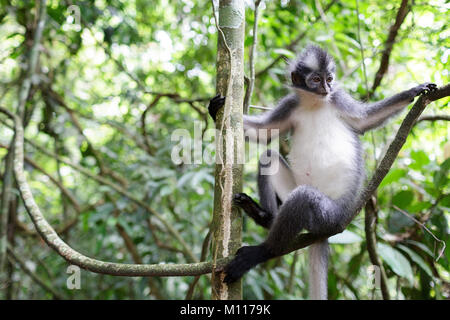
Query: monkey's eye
[316, 79]
[329, 79]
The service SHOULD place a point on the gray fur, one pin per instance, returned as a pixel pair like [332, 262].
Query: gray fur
[275, 180]
[363, 116]
[313, 63]
[278, 118]
[318, 270]
[267, 195]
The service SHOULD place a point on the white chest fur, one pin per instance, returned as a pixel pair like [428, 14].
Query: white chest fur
[323, 150]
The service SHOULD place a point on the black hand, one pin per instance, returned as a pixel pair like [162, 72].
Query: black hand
[424, 88]
[215, 104]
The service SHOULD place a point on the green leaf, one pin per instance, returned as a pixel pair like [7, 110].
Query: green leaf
[393, 175]
[111, 221]
[422, 246]
[276, 279]
[417, 259]
[166, 190]
[445, 201]
[397, 221]
[345, 237]
[182, 181]
[440, 178]
[396, 261]
[420, 159]
[403, 199]
[257, 290]
[85, 220]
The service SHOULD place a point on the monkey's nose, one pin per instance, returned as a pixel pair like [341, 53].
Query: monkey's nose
[324, 90]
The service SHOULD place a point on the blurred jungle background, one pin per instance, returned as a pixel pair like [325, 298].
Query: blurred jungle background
[114, 79]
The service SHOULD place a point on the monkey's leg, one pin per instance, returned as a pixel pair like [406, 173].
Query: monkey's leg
[275, 181]
[305, 208]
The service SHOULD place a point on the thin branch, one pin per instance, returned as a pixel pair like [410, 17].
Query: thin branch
[5, 199]
[133, 136]
[160, 244]
[149, 147]
[186, 250]
[48, 92]
[393, 31]
[132, 249]
[174, 96]
[55, 181]
[291, 46]
[205, 246]
[425, 228]
[260, 107]
[361, 47]
[292, 273]
[341, 60]
[33, 58]
[17, 260]
[433, 118]
[24, 90]
[370, 220]
[68, 224]
[251, 79]
[55, 242]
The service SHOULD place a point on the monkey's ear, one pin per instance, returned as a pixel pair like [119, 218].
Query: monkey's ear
[295, 78]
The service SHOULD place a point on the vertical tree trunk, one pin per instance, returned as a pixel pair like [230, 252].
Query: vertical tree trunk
[24, 90]
[227, 222]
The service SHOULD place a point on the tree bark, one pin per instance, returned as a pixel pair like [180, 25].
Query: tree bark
[227, 224]
[370, 219]
[33, 56]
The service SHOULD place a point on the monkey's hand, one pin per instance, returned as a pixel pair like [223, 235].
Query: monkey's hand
[423, 88]
[215, 104]
[246, 258]
[253, 210]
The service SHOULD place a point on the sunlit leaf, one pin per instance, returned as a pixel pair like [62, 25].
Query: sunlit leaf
[417, 259]
[345, 238]
[396, 261]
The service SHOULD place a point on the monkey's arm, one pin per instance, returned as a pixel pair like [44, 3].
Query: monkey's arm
[364, 117]
[276, 119]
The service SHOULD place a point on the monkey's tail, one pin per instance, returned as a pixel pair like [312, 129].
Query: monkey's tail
[318, 270]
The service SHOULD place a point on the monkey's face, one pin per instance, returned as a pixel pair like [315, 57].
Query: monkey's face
[314, 71]
[319, 82]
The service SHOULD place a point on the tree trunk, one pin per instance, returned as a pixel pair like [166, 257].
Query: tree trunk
[227, 222]
[24, 91]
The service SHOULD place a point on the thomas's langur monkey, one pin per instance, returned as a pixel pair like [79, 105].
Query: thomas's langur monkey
[317, 187]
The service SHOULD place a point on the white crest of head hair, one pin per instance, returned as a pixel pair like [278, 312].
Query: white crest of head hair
[314, 58]
[310, 60]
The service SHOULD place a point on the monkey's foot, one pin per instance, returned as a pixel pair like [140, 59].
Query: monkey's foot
[252, 209]
[245, 259]
[215, 104]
